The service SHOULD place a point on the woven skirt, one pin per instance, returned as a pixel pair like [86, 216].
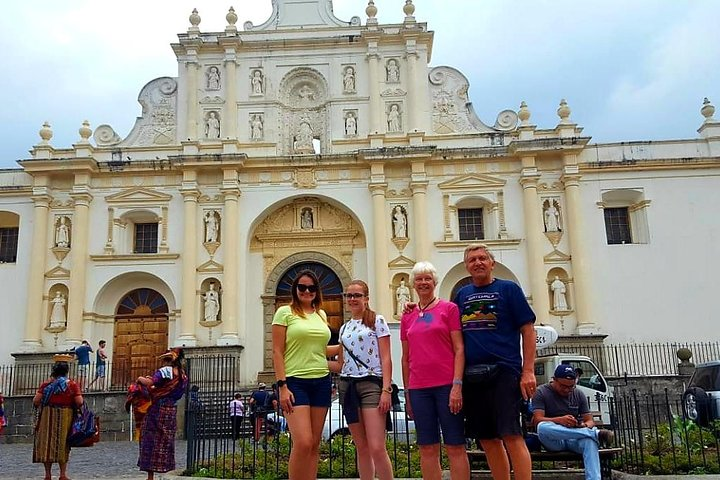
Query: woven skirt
[53, 428]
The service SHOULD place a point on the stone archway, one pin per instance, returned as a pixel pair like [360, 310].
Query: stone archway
[273, 282]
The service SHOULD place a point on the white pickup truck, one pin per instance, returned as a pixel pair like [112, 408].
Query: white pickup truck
[591, 381]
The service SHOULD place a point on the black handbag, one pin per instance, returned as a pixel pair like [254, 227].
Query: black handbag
[481, 373]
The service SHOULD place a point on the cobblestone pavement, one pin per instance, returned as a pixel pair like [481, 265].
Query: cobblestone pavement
[108, 460]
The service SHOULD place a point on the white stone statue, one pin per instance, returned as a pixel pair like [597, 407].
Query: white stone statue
[212, 304]
[57, 315]
[306, 93]
[402, 294]
[399, 222]
[256, 128]
[349, 80]
[393, 71]
[393, 119]
[304, 138]
[257, 82]
[62, 234]
[212, 126]
[350, 124]
[213, 79]
[559, 300]
[552, 219]
[306, 219]
[211, 226]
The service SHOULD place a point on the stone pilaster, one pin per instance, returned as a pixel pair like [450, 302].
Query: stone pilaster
[188, 317]
[534, 237]
[78, 272]
[230, 120]
[574, 227]
[376, 123]
[191, 73]
[34, 314]
[382, 299]
[420, 220]
[231, 245]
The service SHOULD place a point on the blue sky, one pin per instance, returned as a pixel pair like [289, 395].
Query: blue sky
[630, 70]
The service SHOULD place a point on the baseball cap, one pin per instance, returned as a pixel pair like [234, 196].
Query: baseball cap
[565, 371]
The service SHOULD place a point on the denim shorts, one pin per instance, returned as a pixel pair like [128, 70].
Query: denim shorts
[100, 371]
[431, 413]
[314, 392]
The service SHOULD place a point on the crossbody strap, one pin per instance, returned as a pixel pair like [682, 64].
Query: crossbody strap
[358, 362]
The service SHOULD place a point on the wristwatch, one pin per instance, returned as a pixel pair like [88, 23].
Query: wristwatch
[387, 390]
[281, 383]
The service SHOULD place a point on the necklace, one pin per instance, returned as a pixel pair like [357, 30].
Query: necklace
[422, 309]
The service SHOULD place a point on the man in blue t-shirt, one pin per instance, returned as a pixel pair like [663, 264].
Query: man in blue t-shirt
[495, 318]
[83, 356]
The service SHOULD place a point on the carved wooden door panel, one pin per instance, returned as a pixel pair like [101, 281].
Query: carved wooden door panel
[141, 335]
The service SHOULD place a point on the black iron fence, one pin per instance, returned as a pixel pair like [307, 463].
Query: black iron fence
[25, 378]
[638, 359]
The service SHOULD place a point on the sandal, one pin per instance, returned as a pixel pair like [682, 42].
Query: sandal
[63, 478]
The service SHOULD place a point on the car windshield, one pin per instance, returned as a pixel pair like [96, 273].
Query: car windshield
[707, 378]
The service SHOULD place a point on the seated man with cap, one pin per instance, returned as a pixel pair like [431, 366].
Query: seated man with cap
[562, 417]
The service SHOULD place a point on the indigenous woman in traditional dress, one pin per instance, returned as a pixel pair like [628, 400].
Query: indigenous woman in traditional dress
[57, 399]
[366, 382]
[433, 359]
[157, 440]
[300, 335]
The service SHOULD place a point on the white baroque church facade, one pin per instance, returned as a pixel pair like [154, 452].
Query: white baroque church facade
[312, 142]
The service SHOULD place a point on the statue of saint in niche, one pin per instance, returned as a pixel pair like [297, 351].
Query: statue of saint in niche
[552, 218]
[212, 304]
[402, 295]
[213, 79]
[211, 227]
[212, 126]
[62, 234]
[399, 222]
[257, 81]
[350, 124]
[256, 128]
[393, 119]
[57, 315]
[306, 219]
[393, 71]
[349, 80]
[559, 300]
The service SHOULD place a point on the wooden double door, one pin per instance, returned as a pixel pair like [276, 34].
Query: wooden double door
[141, 335]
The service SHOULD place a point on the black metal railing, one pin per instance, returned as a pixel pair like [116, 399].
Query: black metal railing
[25, 378]
[638, 359]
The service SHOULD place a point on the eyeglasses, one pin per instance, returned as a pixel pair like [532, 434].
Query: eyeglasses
[353, 295]
[564, 386]
[307, 288]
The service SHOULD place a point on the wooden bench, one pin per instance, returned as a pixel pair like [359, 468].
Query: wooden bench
[606, 457]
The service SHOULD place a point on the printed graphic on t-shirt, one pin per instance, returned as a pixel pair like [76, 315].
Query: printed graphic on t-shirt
[426, 318]
[480, 311]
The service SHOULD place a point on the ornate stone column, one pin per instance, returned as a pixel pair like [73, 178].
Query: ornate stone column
[376, 123]
[34, 315]
[420, 220]
[78, 273]
[188, 317]
[534, 237]
[191, 72]
[380, 240]
[574, 227]
[231, 261]
[230, 120]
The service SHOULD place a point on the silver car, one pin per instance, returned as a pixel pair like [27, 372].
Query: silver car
[701, 400]
[403, 428]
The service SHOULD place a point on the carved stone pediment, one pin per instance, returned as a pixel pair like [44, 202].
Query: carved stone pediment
[401, 262]
[211, 266]
[138, 196]
[556, 256]
[58, 272]
[472, 181]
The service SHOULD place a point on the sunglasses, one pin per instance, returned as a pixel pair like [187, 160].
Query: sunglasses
[307, 288]
[353, 295]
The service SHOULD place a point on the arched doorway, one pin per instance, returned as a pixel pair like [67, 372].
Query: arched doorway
[331, 289]
[141, 334]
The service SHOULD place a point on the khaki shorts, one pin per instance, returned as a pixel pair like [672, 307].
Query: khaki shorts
[368, 390]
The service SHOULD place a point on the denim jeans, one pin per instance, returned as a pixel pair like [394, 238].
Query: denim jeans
[584, 441]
